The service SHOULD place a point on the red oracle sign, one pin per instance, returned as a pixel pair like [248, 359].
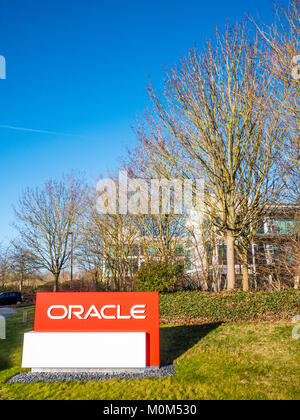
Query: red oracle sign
[101, 312]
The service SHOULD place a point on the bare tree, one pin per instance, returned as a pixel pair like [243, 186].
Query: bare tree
[22, 263]
[90, 247]
[5, 267]
[161, 236]
[45, 218]
[282, 59]
[92, 268]
[109, 239]
[214, 120]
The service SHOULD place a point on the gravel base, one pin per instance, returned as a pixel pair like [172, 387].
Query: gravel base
[30, 377]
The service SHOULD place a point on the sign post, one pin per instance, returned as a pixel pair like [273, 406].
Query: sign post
[93, 331]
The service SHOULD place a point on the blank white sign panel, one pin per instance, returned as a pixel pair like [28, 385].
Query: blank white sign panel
[84, 350]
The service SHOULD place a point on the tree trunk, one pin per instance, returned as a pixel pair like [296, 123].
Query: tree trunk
[297, 279]
[205, 282]
[96, 280]
[56, 284]
[230, 261]
[245, 271]
[254, 266]
[21, 282]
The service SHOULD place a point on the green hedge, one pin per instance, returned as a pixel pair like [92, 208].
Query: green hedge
[196, 307]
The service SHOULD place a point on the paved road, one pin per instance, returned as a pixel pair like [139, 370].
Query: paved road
[6, 312]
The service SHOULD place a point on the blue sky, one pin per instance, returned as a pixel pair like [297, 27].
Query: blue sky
[78, 69]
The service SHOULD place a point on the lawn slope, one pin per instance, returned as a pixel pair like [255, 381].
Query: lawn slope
[214, 361]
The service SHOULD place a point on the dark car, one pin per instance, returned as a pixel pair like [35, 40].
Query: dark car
[11, 298]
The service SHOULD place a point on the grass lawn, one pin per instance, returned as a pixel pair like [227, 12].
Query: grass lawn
[214, 361]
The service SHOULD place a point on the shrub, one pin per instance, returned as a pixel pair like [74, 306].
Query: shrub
[158, 276]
